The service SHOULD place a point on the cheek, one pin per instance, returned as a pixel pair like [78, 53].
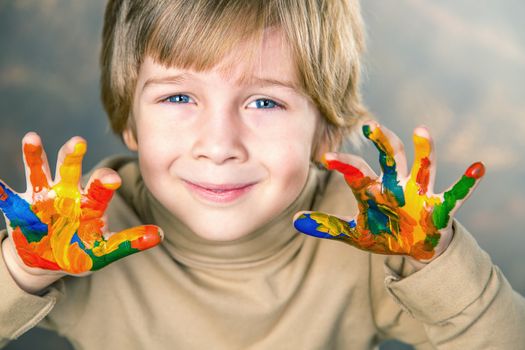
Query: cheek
[157, 149]
[289, 156]
[294, 141]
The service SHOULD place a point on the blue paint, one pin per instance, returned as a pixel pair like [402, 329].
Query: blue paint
[389, 181]
[378, 221]
[19, 213]
[76, 239]
[309, 226]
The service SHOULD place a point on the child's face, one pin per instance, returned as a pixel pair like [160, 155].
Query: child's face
[225, 158]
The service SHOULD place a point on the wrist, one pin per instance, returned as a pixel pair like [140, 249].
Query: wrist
[446, 237]
[29, 281]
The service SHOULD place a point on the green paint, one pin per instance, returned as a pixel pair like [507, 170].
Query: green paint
[432, 241]
[124, 249]
[459, 191]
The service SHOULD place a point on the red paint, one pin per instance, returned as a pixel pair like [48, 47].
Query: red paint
[98, 196]
[3, 195]
[150, 238]
[93, 207]
[475, 171]
[423, 175]
[351, 173]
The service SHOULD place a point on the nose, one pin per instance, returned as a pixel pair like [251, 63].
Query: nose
[220, 137]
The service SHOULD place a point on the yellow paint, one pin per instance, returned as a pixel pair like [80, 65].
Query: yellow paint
[116, 239]
[67, 218]
[415, 203]
[383, 143]
[330, 224]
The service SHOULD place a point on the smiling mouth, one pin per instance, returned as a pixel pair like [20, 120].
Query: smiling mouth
[218, 187]
[218, 193]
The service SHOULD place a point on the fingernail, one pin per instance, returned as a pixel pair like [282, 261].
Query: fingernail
[475, 171]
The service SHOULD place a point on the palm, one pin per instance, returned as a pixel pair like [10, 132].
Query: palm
[398, 212]
[59, 226]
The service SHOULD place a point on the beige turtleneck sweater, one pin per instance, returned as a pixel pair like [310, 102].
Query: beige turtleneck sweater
[272, 289]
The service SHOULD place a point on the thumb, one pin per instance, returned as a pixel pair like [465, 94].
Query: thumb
[124, 243]
[324, 225]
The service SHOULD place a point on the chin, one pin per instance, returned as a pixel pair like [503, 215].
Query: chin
[224, 227]
[219, 235]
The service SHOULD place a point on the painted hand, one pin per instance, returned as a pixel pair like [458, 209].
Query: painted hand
[398, 212]
[57, 225]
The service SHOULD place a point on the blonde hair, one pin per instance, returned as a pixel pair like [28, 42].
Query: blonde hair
[325, 37]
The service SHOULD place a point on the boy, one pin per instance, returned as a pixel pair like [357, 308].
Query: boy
[226, 120]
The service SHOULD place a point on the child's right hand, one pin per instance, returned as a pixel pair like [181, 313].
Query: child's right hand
[58, 228]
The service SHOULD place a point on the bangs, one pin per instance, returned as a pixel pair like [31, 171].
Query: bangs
[198, 35]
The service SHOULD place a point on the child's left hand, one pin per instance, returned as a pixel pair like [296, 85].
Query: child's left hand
[398, 213]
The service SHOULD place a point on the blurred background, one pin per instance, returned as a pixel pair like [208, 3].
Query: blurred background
[457, 66]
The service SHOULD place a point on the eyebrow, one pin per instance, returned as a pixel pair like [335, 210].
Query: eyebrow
[258, 81]
[170, 79]
[273, 82]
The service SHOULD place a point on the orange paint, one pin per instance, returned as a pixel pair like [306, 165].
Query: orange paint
[90, 231]
[396, 216]
[92, 209]
[70, 233]
[33, 156]
[27, 254]
[78, 260]
[45, 210]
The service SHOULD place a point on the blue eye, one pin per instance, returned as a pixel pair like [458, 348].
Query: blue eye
[178, 99]
[264, 103]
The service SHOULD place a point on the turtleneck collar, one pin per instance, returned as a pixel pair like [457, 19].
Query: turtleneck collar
[185, 246]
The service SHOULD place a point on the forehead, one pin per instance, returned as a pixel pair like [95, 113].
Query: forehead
[254, 61]
[271, 58]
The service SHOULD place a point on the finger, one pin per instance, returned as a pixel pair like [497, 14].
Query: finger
[356, 171]
[323, 225]
[124, 243]
[37, 170]
[343, 229]
[100, 189]
[456, 195]
[68, 256]
[423, 170]
[389, 146]
[391, 158]
[69, 168]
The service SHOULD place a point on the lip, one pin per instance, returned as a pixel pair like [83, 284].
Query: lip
[218, 193]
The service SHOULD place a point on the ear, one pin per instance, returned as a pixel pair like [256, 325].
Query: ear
[130, 140]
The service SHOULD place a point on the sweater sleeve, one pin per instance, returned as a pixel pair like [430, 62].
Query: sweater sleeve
[461, 300]
[19, 310]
